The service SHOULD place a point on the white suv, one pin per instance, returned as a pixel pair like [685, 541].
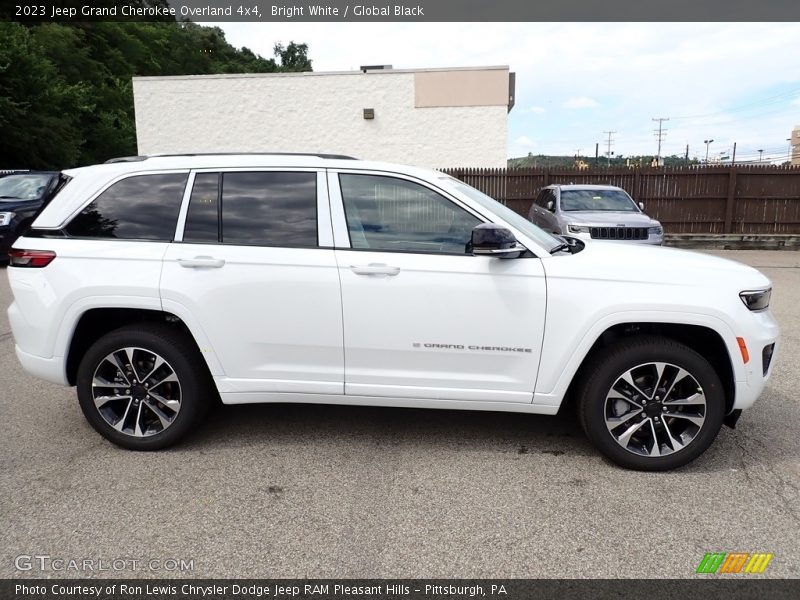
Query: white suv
[157, 284]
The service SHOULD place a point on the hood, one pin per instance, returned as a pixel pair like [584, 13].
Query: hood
[13, 205]
[609, 218]
[619, 262]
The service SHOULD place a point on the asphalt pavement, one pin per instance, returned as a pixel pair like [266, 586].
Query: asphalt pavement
[316, 491]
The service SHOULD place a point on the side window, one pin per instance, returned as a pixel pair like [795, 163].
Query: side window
[269, 208]
[540, 199]
[386, 213]
[202, 218]
[142, 207]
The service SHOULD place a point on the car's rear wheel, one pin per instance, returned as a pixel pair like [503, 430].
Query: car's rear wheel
[143, 387]
[651, 403]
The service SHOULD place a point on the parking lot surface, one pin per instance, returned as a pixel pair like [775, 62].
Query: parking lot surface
[317, 491]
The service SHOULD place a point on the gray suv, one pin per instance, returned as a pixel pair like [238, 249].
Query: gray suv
[599, 212]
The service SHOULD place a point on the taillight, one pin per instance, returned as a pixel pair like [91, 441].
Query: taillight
[35, 259]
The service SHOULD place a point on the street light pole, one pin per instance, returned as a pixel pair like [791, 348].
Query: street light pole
[707, 143]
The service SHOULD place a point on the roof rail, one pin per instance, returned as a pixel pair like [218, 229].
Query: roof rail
[141, 158]
[317, 154]
[126, 159]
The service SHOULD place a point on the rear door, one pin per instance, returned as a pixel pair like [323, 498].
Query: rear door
[253, 266]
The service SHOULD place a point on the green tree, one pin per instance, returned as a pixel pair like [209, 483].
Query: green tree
[37, 127]
[294, 57]
[66, 94]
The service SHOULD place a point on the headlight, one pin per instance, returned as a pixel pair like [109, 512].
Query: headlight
[758, 300]
[5, 218]
[577, 229]
[656, 230]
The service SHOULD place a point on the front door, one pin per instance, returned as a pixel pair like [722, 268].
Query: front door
[422, 317]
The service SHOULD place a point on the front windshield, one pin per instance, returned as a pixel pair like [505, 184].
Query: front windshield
[515, 220]
[597, 200]
[23, 187]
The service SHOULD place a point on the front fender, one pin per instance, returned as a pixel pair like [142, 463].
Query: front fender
[553, 381]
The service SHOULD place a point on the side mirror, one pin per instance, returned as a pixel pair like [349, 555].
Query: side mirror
[641, 206]
[550, 205]
[490, 239]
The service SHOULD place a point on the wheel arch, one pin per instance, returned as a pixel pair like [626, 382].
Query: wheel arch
[96, 322]
[705, 340]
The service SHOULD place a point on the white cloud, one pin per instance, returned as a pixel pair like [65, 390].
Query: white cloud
[580, 102]
[638, 70]
[524, 140]
[537, 110]
[796, 101]
[522, 145]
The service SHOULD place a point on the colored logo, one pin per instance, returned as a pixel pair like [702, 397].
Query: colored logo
[734, 562]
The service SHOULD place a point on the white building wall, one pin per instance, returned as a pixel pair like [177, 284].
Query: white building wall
[315, 113]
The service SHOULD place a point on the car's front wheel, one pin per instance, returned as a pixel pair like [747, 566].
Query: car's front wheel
[143, 387]
[651, 403]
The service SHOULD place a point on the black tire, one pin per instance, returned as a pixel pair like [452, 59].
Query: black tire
[611, 363]
[196, 386]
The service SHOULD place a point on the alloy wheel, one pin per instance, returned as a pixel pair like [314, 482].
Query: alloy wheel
[136, 391]
[655, 409]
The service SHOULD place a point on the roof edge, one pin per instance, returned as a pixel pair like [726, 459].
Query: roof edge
[322, 73]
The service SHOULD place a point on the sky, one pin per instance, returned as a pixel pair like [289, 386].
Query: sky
[730, 82]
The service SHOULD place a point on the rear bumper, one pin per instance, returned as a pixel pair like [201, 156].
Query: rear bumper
[49, 369]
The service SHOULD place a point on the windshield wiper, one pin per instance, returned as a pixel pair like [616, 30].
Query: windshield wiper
[560, 247]
[10, 198]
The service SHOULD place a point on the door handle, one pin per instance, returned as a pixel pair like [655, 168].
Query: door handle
[198, 262]
[375, 269]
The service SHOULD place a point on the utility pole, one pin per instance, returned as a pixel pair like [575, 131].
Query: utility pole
[760, 154]
[687, 154]
[707, 143]
[609, 143]
[733, 160]
[661, 133]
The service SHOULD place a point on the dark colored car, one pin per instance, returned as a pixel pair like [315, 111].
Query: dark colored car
[22, 196]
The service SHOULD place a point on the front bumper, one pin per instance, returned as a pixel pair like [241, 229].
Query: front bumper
[652, 239]
[760, 332]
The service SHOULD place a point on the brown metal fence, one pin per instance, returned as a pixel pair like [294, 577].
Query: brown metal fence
[730, 199]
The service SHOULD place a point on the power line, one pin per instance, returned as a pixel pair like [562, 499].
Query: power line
[661, 133]
[777, 99]
[609, 143]
[743, 118]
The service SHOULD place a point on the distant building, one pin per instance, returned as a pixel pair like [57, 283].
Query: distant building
[427, 117]
[795, 145]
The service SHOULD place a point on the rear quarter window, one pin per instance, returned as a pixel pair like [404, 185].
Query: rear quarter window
[141, 207]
